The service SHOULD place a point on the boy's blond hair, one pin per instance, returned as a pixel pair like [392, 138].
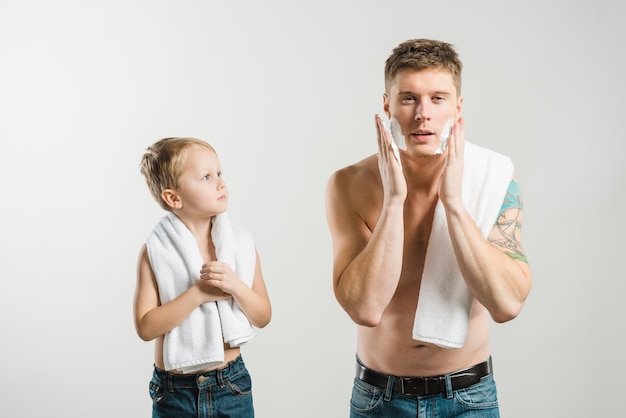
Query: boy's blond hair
[423, 54]
[162, 164]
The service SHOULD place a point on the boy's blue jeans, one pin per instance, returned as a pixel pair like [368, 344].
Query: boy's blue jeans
[218, 393]
[477, 401]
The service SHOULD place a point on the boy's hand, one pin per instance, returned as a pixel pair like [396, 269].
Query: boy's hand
[211, 293]
[219, 274]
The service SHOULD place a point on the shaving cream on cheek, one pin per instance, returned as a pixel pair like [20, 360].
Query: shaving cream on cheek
[445, 134]
[393, 127]
[396, 133]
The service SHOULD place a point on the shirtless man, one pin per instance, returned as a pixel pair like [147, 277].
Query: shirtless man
[380, 212]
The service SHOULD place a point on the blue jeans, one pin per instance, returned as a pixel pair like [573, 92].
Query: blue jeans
[221, 393]
[478, 401]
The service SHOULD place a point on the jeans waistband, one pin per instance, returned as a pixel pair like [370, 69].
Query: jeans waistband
[202, 379]
[419, 386]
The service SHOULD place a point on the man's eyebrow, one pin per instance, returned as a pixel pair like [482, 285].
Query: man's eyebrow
[434, 93]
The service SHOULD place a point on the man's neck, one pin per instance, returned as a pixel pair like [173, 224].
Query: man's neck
[423, 173]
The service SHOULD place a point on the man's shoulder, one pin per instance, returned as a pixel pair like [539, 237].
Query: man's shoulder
[352, 183]
[363, 170]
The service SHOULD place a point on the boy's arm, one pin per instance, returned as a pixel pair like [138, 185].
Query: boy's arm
[153, 319]
[254, 301]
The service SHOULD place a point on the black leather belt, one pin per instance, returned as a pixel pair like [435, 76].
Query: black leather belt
[419, 386]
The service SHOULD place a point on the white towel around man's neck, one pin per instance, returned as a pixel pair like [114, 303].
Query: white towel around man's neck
[198, 342]
[445, 302]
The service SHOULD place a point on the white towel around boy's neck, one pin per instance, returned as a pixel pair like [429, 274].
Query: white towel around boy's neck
[445, 302]
[198, 342]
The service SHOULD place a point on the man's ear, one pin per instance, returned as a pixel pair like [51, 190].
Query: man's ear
[171, 199]
[386, 105]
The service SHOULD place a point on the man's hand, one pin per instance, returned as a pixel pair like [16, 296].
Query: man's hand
[394, 184]
[450, 185]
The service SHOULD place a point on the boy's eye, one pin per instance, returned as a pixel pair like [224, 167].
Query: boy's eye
[206, 177]
[219, 174]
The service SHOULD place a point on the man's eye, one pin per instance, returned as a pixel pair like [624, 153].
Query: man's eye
[438, 98]
[408, 99]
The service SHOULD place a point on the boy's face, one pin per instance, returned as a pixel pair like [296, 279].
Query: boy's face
[422, 102]
[201, 190]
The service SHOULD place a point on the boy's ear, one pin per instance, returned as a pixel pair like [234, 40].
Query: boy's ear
[171, 199]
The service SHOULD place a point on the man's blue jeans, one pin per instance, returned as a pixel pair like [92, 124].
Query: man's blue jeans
[479, 401]
[219, 393]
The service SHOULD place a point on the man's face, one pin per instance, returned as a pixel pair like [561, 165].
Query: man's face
[422, 102]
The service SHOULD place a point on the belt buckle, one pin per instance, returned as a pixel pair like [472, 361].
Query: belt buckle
[402, 389]
[420, 386]
[410, 386]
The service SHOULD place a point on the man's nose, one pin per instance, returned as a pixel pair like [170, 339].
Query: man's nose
[421, 112]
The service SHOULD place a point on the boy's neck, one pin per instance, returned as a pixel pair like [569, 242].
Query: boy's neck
[199, 228]
[201, 231]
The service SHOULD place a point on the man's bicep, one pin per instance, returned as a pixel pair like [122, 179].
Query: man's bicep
[349, 232]
[506, 233]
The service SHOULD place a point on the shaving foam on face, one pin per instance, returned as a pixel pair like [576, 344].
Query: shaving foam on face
[393, 127]
[445, 134]
[396, 133]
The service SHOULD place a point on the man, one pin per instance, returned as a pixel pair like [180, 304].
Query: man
[426, 248]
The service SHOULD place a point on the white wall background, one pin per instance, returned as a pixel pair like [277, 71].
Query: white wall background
[286, 92]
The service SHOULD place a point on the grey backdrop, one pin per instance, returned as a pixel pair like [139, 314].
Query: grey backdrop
[286, 92]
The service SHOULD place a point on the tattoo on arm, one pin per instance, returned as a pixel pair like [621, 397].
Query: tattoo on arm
[509, 224]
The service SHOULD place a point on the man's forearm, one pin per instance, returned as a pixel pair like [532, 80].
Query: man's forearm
[498, 282]
[369, 282]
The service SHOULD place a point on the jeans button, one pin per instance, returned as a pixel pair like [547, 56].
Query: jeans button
[202, 379]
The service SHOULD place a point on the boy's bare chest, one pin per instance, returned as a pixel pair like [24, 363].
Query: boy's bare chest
[207, 250]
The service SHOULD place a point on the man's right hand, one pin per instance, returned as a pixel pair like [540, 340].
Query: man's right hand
[394, 183]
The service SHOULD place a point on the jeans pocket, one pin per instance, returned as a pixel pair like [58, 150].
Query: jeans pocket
[157, 392]
[240, 384]
[365, 397]
[482, 395]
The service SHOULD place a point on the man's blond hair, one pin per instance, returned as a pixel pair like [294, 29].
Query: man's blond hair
[423, 54]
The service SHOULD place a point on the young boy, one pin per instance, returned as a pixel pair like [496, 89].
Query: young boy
[200, 289]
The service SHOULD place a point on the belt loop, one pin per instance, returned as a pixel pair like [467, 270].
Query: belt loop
[389, 390]
[448, 386]
[220, 378]
[168, 382]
